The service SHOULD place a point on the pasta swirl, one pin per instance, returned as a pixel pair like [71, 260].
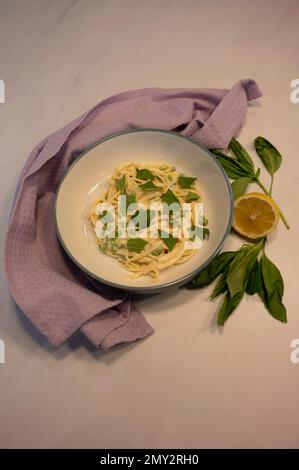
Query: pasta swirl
[147, 183]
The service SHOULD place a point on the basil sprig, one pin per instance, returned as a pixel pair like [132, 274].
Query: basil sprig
[241, 266]
[242, 272]
[269, 155]
[214, 268]
[271, 288]
[247, 270]
[240, 167]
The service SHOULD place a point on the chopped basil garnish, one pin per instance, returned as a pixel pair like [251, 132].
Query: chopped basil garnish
[169, 197]
[186, 181]
[121, 184]
[168, 239]
[191, 197]
[136, 244]
[149, 186]
[144, 174]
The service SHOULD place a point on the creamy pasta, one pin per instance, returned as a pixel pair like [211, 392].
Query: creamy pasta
[145, 183]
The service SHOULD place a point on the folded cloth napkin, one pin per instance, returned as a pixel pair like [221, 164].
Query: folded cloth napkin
[54, 293]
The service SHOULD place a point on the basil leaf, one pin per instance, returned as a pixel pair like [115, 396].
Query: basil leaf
[121, 184]
[168, 239]
[169, 198]
[144, 174]
[254, 282]
[232, 167]
[191, 197]
[271, 276]
[220, 287]
[186, 181]
[240, 185]
[269, 155]
[241, 154]
[272, 289]
[277, 308]
[149, 186]
[130, 199]
[214, 268]
[241, 266]
[136, 244]
[228, 306]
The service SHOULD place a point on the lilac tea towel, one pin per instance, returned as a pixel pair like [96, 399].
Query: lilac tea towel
[56, 296]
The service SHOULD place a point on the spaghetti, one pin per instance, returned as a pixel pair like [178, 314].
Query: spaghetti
[145, 184]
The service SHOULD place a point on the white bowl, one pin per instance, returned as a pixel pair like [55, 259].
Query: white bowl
[87, 177]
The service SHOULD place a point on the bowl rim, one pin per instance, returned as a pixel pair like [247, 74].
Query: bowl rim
[179, 281]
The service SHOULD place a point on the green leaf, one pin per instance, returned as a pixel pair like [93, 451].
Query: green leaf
[239, 186]
[136, 244]
[168, 239]
[214, 268]
[254, 281]
[191, 197]
[220, 287]
[241, 266]
[186, 181]
[232, 167]
[144, 174]
[277, 308]
[121, 184]
[241, 154]
[169, 198]
[269, 155]
[130, 199]
[228, 306]
[205, 221]
[149, 186]
[272, 289]
[271, 276]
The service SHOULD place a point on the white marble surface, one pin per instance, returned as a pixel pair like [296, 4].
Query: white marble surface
[189, 385]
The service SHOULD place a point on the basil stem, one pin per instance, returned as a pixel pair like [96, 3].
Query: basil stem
[282, 216]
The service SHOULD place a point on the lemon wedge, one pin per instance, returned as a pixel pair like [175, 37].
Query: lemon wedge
[255, 215]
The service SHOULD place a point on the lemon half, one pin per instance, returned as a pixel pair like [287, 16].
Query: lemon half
[255, 215]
